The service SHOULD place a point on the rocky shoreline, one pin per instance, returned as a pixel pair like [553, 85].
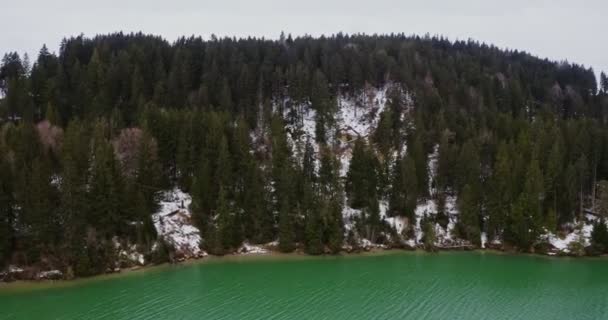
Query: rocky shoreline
[34, 275]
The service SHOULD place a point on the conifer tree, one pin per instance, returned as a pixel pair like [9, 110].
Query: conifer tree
[420, 158]
[225, 221]
[526, 221]
[105, 194]
[599, 236]
[404, 188]
[604, 82]
[383, 136]
[445, 163]
[259, 222]
[323, 104]
[468, 224]
[314, 229]
[148, 172]
[203, 195]
[286, 226]
[552, 179]
[361, 179]
[500, 195]
[185, 151]
[6, 209]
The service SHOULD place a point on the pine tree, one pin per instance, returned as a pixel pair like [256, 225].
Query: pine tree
[6, 209]
[604, 82]
[599, 236]
[445, 163]
[371, 215]
[223, 173]
[38, 210]
[286, 227]
[468, 224]
[361, 179]
[335, 225]
[185, 151]
[552, 181]
[383, 136]
[526, 221]
[225, 221]
[308, 162]
[144, 230]
[429, 235]
[500, 195]
[259, 222]
[420, 158]
[74, 204]
[468, 169]
[324, 106]
[404, 188]
[314, 230]
[329, 184]
[105, 191]
[283, 178]
[203, 195]
[148, 172]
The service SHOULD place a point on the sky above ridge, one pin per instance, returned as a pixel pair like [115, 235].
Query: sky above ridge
[557, 29]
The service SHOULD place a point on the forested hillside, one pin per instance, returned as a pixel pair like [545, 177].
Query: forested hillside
[320, 144]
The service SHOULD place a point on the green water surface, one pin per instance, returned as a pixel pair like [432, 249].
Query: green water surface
[464, 286]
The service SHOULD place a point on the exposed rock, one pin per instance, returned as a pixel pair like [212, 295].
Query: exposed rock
[173, 222]
[247, 248]
[50, 275]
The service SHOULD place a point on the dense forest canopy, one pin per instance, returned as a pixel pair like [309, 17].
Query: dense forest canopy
[91, 136]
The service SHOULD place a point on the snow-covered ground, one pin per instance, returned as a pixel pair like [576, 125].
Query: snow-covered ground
[173, 221]
[130, 254]
[581, 233]
[358, 115]
[248, 248]
[443, 236]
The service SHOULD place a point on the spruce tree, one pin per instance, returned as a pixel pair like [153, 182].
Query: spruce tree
[526, 221]
[6, 209]
[148, 176]
[404, 188]
[420, 158]
[225, 221]
[335, 225]
[314, 229]
[468, 224]
[259, 221]
[286, 226]
[604, 82]
[361, 179]
[324, 106]
[599, 236]
[105, 194]
[203, 195]
[500, 195]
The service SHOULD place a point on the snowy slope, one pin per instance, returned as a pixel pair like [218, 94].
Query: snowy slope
[173, 222]
[581, 233]
[357, 116]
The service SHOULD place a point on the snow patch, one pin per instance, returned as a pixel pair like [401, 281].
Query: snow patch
[50, 275]
[173, 222]
[581, 233]
[247, 248]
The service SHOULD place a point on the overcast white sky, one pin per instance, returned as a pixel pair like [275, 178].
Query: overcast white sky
[558, 29]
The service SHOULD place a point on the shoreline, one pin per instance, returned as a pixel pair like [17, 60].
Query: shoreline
[24, 285]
